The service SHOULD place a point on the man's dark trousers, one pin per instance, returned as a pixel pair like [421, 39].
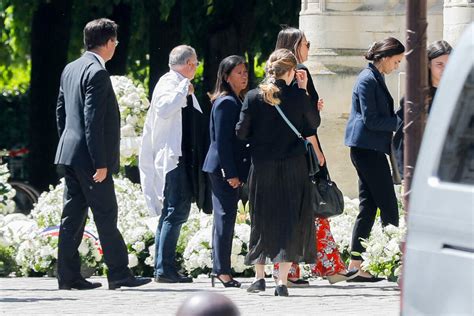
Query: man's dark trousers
[80, 193]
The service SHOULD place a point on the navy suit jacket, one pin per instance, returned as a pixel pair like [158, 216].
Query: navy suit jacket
[227, 155]
[372, 120]
[88, 117]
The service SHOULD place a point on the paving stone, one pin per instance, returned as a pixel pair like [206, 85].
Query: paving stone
[32, 296]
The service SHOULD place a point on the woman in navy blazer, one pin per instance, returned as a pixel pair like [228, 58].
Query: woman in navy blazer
[227, 162]
[369, 133]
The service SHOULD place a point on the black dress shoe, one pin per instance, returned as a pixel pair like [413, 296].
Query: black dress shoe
[128, 282]
[257, 286]
[365, 279]
[80, 284]
[281, 290]
[174, 279]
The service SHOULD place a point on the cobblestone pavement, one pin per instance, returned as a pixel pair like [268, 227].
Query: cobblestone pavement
[26, 296]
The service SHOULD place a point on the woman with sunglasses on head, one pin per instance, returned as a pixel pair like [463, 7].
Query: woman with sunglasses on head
[329, 263]
[227, 162]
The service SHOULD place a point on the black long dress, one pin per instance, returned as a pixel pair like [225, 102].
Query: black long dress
[282, 221]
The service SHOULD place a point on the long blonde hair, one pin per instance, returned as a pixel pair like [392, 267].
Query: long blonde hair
[279, 63]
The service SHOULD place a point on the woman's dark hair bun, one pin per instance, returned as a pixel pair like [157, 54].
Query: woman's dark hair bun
[369, 55]
[385, 48]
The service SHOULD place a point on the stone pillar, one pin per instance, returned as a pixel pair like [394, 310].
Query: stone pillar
[340, 31]
[458, 14]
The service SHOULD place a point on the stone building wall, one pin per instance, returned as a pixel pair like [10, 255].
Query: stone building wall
[340, 31]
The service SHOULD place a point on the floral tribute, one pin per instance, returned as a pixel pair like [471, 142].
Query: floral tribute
[34, 238]
[133, 104]
[196, 239]
[30, 242]
[383, 255]
[7, 193]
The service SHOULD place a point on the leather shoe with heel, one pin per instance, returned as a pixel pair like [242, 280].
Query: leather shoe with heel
[128, 282]
[231, 283]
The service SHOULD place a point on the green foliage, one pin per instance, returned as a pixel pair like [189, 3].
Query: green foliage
[7, 261]
[259, 68]
[15, 20]
[13, 118]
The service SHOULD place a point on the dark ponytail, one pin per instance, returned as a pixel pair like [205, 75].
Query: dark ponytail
[385, 48]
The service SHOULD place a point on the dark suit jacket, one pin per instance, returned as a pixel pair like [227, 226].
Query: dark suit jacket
[194, 147]
[227, 154]
[372, 120]
[88, 117]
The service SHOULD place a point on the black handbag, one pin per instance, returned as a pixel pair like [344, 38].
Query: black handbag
[328, 200]
[311, 158]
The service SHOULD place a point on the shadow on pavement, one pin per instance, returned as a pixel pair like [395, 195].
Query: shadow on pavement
[31, 299]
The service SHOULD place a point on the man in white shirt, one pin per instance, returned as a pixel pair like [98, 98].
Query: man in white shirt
[165, 181]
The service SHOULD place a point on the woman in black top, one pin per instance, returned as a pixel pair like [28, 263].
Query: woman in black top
[330, 263]
[282, 229]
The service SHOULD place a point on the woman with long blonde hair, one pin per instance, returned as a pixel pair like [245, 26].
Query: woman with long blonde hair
[282, 229]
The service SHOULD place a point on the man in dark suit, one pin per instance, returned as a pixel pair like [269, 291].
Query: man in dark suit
[88, 122]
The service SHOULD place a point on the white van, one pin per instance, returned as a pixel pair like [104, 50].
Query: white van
[438, 273]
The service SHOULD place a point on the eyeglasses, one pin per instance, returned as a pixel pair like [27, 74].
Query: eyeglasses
[197, 63]
[116, 43]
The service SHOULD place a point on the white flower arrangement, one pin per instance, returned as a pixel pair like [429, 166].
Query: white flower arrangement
[15, 228]
[383, 252]
[195, 243]
[7, 205]
[37, 251]
[133, 104]
[382, 255]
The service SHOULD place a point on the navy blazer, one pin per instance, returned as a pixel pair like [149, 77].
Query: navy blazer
[88, 117]
[372, 120]
[227, 155]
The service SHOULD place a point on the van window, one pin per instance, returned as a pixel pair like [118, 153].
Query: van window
[457, 158]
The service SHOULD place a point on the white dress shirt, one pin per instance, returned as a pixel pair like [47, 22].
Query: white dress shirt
[162, 134]
[101, 60]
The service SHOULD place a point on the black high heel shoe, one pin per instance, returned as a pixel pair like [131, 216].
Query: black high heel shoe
[281, 290]
[257, 286]
[231, 283]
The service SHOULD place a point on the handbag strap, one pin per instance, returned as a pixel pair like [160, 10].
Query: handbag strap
[289, 123]
[297, 133]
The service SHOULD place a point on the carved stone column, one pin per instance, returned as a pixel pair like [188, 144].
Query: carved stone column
[458, 14]
[340, 31]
